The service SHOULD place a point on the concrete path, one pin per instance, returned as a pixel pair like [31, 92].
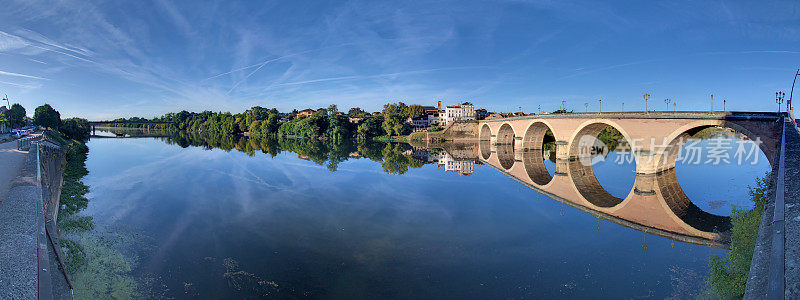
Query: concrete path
[11, 161]
[19, 224]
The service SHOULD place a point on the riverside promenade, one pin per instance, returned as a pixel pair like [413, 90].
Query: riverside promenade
[18, 258]
[29, 267]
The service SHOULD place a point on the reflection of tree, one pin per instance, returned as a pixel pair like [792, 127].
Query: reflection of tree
[611, 137]
[395, 162]
[329, 153]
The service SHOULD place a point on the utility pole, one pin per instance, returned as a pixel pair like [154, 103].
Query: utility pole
[646, 97]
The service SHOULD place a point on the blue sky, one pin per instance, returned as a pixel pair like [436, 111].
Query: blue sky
[144, 58]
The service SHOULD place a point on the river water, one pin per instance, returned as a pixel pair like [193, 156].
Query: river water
[228, 217]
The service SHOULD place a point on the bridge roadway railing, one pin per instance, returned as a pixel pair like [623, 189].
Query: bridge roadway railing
[732, 115]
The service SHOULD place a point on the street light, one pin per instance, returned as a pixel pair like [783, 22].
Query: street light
[712, 104]
[724, 103]
[779, 100]
[623, 106]
[587, 106]
[601, 104]
[564, 105]
[646, 97]
[667, 101]
[789, 104]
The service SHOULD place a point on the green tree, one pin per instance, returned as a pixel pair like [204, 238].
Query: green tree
[356, 111]
[394, 118]
[272, 121]
[414, 110]
[255, 128]
[16, 115]
[75, 128]
[370, 127]
[333, 109]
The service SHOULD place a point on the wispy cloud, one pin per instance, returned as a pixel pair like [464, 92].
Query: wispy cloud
[21, 75]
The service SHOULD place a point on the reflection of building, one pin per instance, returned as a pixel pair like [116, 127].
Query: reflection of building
[460, 166]
[462, 112]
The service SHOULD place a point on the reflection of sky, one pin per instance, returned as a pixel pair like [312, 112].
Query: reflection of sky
[361, 232]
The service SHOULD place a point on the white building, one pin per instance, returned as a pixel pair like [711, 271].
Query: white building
[460, 166]
[423, 120]
[461, 112]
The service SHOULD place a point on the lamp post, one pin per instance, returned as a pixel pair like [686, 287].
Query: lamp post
[789, 104]
[600, 101]
[564, 105]
[623, 106]
[779, 100]
[724, 103]
[586, 104]
[667, 101]
[712, 104]
[646, 97]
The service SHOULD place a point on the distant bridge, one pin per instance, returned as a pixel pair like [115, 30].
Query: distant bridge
[95, 123]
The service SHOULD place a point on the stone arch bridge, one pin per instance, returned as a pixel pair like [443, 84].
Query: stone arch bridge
[654, 138]
[656, 203]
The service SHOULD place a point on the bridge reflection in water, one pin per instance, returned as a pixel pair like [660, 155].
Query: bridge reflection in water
[656, 204]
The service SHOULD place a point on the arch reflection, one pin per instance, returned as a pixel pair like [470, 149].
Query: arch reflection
[656, 204]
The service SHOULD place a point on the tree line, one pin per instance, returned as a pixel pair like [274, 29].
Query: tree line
[46, 116]
[328, 124]
[326, 153]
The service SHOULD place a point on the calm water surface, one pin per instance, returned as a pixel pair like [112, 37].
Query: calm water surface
[204, 221]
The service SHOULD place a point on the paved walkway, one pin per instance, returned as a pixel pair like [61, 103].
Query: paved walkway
[11, 161]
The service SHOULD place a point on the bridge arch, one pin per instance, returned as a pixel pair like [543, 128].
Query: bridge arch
[485, 133]
[581, 170]
[533, 161]
[684, 209]
[675, 141]
[505, 135]
[505, 154]
[534, 135]
[485, 147]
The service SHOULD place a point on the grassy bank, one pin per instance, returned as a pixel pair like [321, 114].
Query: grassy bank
[729, 273]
